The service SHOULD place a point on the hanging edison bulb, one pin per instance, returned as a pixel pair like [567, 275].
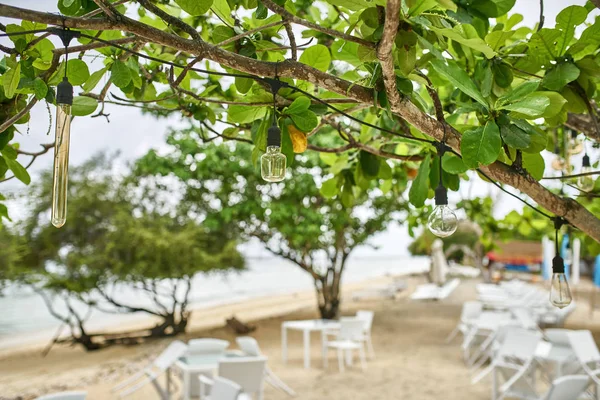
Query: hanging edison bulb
[273, 162]
[586, 182]
[574, 144]
[442, 221]
[560, 293]
[64, 101]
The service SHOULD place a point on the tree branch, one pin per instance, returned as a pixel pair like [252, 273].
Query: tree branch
[248, 33]
[584, 124]
[297, 20]
[292, 39]
[384, 50]
[169, 19]
[107, 9]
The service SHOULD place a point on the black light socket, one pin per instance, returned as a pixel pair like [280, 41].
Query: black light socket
[586, 161]
[274, 136]
[558, 265]
[441, 196]
[64, 92]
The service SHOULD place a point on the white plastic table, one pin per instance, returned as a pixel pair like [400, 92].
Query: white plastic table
[306, 327]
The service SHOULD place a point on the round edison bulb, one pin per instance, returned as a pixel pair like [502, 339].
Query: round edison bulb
[442, 222]
[560, 293]
[586, 183]
[272, 164]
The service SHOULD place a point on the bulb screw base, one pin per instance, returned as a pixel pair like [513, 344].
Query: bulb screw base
[558, 265]
[441, 196]
[274, 136]
[586, 161]
[64, 92]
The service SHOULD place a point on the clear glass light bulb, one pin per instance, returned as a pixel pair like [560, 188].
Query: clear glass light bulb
[560, 293]
[442, 221]
[61, 165]
[586, 183]
[575, 144]
[272, 164]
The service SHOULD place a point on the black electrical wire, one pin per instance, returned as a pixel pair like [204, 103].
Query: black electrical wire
[285, 84]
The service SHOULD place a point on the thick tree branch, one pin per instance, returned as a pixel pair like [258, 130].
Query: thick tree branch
[107, 9]
[384, 50]
[583, 123]
[297, 20]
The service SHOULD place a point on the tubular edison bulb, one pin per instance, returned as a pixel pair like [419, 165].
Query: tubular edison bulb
[575, 143]
[442, 222]
[64, 100]
[560, 293]
[586, 183]
[272, 163]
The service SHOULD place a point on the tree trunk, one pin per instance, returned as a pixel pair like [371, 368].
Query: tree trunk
[170, 326]
[328, 296]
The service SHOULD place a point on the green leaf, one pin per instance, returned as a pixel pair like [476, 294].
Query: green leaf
[559, 76]
[503, 75]
[11, 80]
[83, 105]
[515, 137]
[77, 72]
[465, 34]
[493, 8]
[537, 137]
[497, 39]
[9, 152]
[542, 45]
[298, 106]
[40, 88]
[369, 164]
[243, 85]
[222, 33]
[534, 164]
[420, 186]
[305, 121]
[245, 114]
[532, 105]
[557, 103]
[460, 79]
[481, 145]
[194, 7]
[453, 164]
[93, 80]
[222, 9]
[354, 5]
[316, 56]
[566, 21]
[120, 74]
[519, 92]
[421, 6]
[330, 188]
[19, 171]
[487, 82]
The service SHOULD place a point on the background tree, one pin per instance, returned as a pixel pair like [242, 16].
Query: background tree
[496, 99]
[122, 239]
[295, 220]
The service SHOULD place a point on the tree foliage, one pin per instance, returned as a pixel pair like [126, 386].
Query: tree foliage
[296, 220]
[503, 88]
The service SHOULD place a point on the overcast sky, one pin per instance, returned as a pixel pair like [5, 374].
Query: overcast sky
[133, 134]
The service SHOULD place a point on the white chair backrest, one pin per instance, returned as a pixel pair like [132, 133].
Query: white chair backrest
[519, 344]
[569, 387]
[558, 337]
[248, 372]
[584, 346]
[367, 317]
[525, 319]
[224, 389]
[169, 355]
[64, 396]
[351, 329]
[207, 346]
[248, 345]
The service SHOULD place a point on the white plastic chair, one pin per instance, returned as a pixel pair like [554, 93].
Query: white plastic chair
[513, 361]
[250, 347]
[470, 311]
[586, 351]
[220, 389]
[248, 372]
[209, 351]
[367, 317]
[348, 339]
[64, 396]
[569, 387]
[151, 372]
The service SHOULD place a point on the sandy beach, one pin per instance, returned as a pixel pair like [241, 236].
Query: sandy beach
[412, 361]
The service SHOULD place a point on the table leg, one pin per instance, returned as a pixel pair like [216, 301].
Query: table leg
[284, 344]
[306, 349]
[186, 385]
[168, 394]
[494, 384]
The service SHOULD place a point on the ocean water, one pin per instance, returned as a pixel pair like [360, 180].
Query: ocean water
[24, 317]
